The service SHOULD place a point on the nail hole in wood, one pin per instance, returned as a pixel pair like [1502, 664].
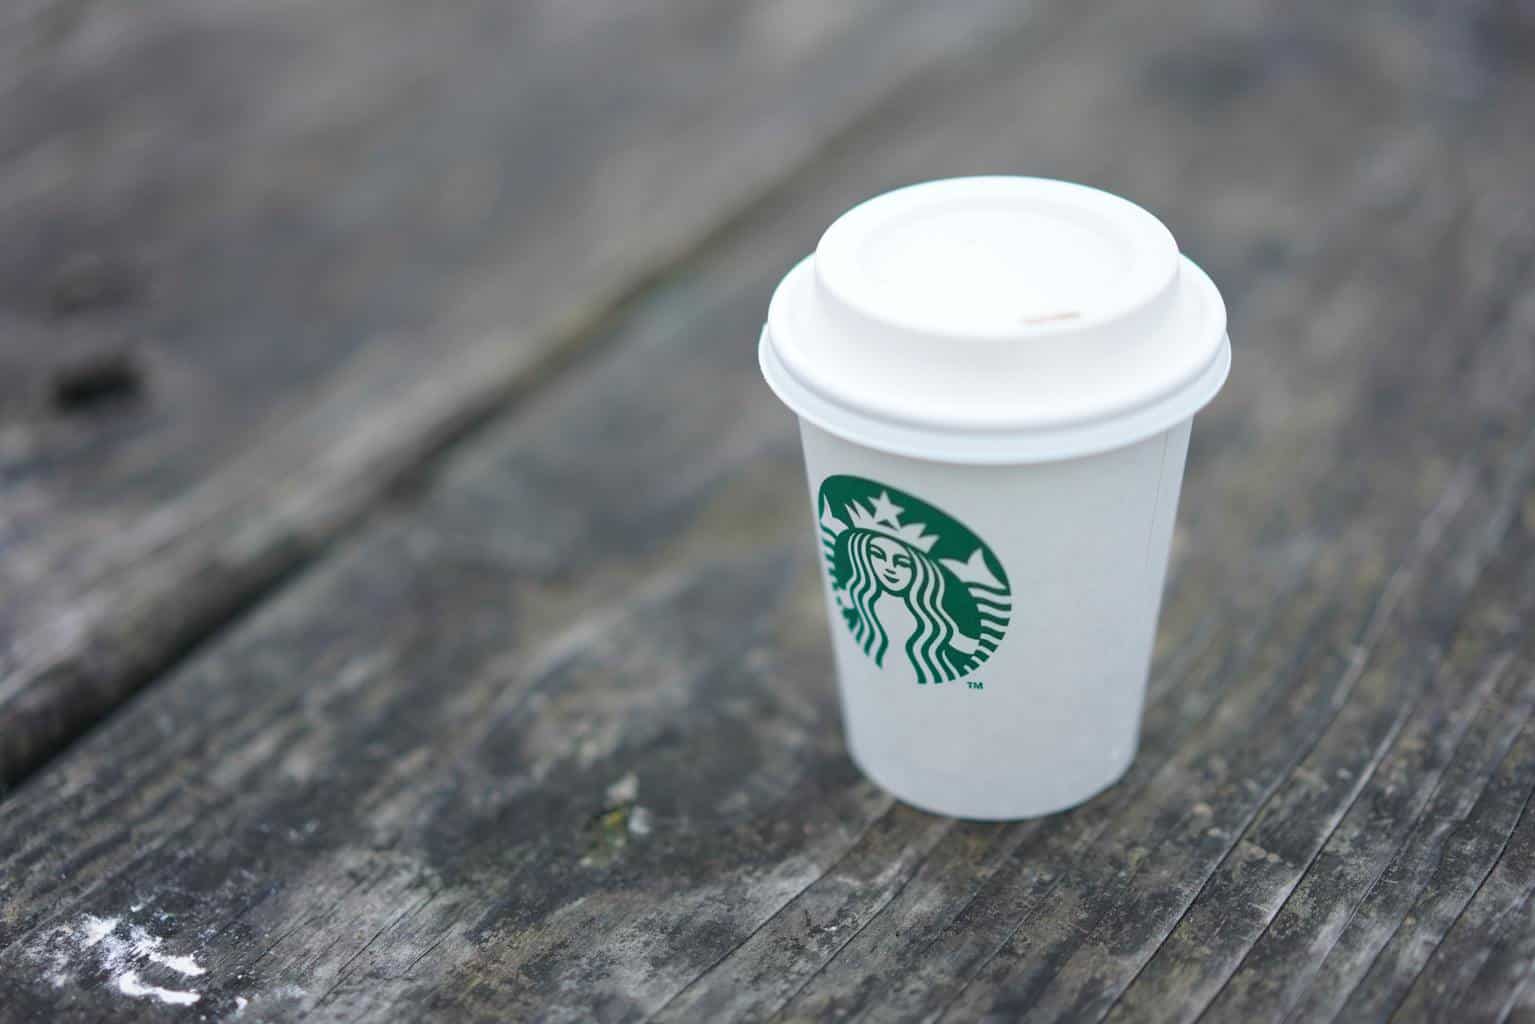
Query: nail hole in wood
[100, 379]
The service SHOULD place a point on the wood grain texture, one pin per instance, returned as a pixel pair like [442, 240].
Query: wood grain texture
[554, 738]
[263, 260]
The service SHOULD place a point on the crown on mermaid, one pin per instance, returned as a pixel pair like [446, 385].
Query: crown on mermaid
[883, 516]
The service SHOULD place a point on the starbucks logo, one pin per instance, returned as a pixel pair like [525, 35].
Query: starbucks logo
[913, 584]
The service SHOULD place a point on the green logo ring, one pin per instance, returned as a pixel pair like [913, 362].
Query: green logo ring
[911, 579]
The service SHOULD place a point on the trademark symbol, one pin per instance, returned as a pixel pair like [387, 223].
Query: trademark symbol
[976, 684]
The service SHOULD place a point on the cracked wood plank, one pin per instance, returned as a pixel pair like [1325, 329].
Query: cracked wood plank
[264, 261]
[554, 736]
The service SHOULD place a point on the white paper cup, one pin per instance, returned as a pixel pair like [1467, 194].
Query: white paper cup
[995, 379]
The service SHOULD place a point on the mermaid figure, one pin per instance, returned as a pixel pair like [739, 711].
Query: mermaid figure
[895, 595]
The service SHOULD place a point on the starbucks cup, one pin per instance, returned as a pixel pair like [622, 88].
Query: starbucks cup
[995, 379]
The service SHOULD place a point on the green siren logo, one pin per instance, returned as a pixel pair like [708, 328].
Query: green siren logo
[909, 579]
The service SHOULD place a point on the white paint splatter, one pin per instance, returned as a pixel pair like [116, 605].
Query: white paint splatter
[148, 947]
[624, 791]
[93, 944]
[130, 984]
[93, 929]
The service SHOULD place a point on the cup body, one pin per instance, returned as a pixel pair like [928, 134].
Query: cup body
[993, 624]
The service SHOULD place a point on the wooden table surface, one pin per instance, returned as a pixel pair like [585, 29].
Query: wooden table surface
[409, 606]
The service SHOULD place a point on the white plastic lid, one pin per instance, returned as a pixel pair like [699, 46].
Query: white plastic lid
[996, 320]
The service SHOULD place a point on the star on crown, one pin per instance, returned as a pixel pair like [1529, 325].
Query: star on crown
[883, 516]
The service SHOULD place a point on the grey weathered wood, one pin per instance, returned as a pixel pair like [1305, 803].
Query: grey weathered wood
[262, 260]
[554, 737]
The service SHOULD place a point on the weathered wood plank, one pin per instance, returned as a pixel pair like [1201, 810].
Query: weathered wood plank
[554, 737]
[1425, 779]
[1496, 915]
[263, 260]
[1470, 853]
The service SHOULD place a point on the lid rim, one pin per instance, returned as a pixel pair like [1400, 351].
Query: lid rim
[1073, 440]
[1196, 285]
